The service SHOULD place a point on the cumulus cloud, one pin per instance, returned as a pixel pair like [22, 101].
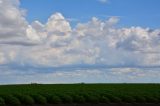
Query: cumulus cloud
[56, 44]
[13, 25]
[57, 23]
[12, 19]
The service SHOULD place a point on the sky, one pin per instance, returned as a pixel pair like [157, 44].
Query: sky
[142, 13]
[73, 41]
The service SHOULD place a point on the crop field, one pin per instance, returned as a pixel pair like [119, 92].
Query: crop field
[78, 93]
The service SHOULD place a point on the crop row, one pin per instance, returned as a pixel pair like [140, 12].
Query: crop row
[79, 93]
[17, 99]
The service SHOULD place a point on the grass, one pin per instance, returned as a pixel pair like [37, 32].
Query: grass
[79, 93]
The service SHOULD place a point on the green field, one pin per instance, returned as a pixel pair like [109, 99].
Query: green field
[79, 93]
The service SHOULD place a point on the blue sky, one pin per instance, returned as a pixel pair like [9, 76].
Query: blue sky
[131, 12]
[72, 41]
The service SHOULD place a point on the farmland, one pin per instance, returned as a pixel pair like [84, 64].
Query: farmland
[30, 94]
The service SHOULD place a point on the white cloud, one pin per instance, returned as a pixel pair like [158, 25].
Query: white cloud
[2, 58]
[12, 21]
[13, 24]
[57, 24]
[136, 74]
[95, 42]
[55, 43]
[32, 34]
[110, 75]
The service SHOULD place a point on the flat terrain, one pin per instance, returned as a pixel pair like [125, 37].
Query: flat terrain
[80, 95]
